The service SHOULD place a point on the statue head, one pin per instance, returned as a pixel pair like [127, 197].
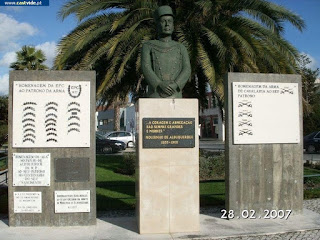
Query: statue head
[164, 20]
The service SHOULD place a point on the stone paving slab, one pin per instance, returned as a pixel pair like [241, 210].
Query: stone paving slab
[301, 235]
[212, 227]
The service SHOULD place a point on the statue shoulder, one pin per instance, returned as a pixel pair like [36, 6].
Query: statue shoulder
[158, 44]
[182, 47]
[149, 43]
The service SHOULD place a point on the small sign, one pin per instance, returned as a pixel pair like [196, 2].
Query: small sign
[27, 202]
[28, 3]
[72, 201]
[265, 112]
[51, 114]
[72, 169]
[31, 169]
[168, 132]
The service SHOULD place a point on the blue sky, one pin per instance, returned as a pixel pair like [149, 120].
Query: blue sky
[40, 26]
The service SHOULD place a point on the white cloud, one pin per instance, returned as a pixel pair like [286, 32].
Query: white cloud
[313, 64]
[50, 51]
[7, 59]
[48, 48]
[11, 31]
[14, 9]
[4, 84]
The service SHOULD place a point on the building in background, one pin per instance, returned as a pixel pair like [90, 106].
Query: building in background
[130, 118]
[210, 120]
[211, 124]
[105, 119]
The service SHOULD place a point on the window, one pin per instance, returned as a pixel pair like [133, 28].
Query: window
[113, 135]
[105, 121]
[121, 134]
[213, 103]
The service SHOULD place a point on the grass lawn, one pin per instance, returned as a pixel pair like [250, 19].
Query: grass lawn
[212, 193]
[114, 191]
[312, 184]
[310, 171]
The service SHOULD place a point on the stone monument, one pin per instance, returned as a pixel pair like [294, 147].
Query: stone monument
[167, 182]
[264, 155]
[52, 148]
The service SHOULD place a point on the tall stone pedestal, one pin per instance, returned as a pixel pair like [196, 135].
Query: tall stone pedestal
[52, 148]
[167, 184]
[264, 165]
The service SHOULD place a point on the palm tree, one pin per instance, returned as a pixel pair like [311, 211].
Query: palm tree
[28, 58]
[220, 35]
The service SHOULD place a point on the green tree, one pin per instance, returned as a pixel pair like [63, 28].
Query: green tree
[3, 119]
[220, 35]
[311, 96]
[29, 58]
[3, 109]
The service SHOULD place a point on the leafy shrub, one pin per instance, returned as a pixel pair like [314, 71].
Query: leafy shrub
[317, 166]
[212, 166]
[205, 168]
[3, 134]
[311, 193]
[313, 165]
[128, 164]
[205, 153]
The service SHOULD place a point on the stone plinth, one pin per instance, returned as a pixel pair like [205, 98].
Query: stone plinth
[264, 164]
[167, 184]
[52, 148]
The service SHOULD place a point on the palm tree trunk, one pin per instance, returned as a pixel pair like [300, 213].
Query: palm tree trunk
[116, 122]
[116, 109]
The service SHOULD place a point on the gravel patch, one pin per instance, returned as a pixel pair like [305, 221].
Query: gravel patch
[313, 205]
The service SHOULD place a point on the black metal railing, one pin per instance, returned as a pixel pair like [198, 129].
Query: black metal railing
[5, 178]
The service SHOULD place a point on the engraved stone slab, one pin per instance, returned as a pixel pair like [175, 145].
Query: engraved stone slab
[72, 201]
[72, 169]
[51, 114]
[268, 176]
[31, 169]
[27, 202]
[265, 112]
[168, 132]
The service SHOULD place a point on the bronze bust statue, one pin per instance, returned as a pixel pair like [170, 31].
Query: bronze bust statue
[165, 63]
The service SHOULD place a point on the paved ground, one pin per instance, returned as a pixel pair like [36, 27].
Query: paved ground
[122, 226]
[313, 205]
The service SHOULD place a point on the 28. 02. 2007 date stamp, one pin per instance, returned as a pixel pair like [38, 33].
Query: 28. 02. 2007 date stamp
[251, 214]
